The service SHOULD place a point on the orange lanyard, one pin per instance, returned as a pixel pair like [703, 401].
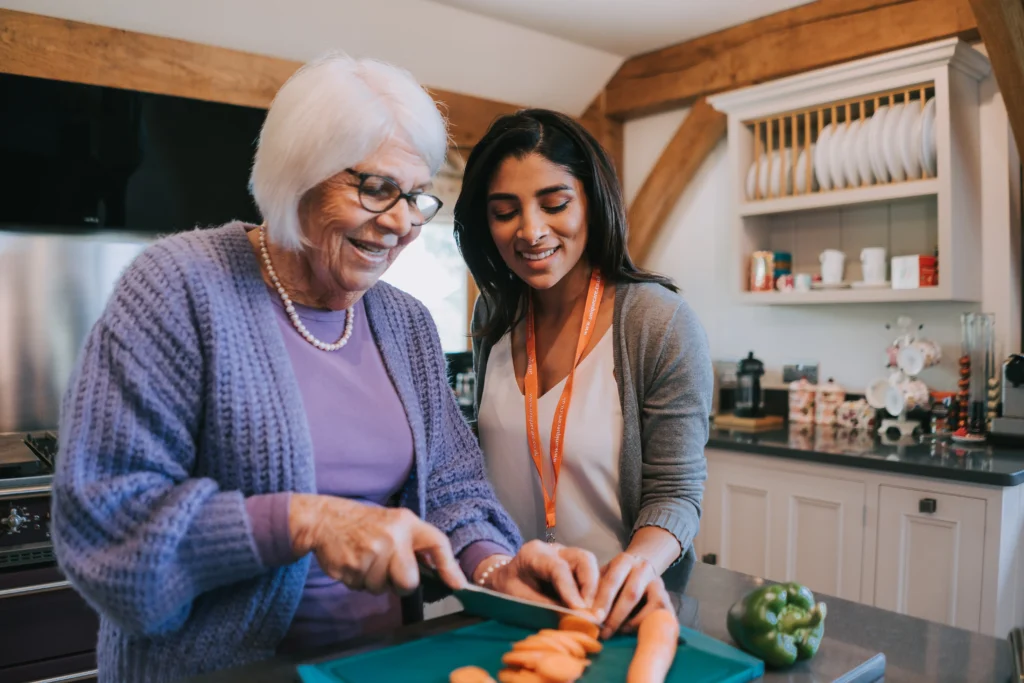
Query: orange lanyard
[532, 394]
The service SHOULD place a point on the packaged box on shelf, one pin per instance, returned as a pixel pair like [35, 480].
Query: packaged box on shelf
[913, 272]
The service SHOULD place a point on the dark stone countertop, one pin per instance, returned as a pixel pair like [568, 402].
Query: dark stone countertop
[977, 464]
[916, 650]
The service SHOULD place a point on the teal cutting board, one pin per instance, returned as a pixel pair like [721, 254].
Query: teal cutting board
[700, 659]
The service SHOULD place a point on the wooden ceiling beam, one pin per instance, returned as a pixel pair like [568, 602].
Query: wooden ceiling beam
[608, 131]
[46, 47]
[1001, 24]
[699, 134]
[801, 39]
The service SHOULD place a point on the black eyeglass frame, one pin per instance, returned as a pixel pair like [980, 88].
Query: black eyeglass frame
[407, 196]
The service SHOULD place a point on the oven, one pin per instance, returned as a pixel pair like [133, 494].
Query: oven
[47, 630]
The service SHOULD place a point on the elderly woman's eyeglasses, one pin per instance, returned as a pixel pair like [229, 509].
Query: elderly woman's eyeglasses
[378, 194]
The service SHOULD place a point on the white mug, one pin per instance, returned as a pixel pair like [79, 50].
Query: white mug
[802, 282]
[873, 262]
[832, 264]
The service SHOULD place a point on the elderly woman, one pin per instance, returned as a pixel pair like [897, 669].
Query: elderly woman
[253, 399]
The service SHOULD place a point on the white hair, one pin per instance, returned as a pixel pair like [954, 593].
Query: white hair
[330, 115]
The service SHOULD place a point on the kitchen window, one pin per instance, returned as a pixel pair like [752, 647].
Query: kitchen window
[432, 270]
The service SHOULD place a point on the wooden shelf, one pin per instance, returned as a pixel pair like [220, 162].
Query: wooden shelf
[847, 197]
[845, 296]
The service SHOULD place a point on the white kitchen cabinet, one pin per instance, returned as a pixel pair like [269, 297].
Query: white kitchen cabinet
[865, 535]
[819, 524]
[930, 555]
[785, 526]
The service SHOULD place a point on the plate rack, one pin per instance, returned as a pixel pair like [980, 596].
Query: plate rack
[784, 145]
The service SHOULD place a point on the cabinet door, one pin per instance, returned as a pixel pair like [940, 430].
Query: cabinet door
[819, 526]
[735, 524]
[930, 550]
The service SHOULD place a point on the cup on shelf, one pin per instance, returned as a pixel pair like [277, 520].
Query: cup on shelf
[832, 262]
[784, 283]
[802, 282]
[873, 264]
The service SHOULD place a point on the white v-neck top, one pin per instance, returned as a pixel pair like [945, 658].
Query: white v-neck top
[587, 504]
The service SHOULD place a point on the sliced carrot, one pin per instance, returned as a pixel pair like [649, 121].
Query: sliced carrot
[656, 643]
[561, 668]
[470, 674]
[575, 647]
[520, 676]
[542, 643]
[591, 646]
[526, 659]
[574, 623]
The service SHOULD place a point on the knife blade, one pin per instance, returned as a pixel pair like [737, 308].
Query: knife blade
[490, 604]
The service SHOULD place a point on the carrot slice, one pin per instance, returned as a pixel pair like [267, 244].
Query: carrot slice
[526, 659]
[574, 623]
[470, 674]
[520, 676]
[574, 646]
[542, 643]
[591, 646]
[657, 640]
[560, 668]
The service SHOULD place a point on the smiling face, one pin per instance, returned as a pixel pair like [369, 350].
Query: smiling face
[350, 246]
[537, 214]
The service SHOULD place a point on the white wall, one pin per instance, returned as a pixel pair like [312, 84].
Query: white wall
[444, 47]
[848, 341]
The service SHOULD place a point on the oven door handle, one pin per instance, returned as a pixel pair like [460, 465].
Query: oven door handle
[34, 590]
[70, 678]
[25, 491]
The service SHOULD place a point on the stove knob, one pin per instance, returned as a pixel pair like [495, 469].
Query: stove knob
[14, 521]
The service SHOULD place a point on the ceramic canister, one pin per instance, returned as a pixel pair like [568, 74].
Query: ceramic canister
[801, 401]
[827, 401]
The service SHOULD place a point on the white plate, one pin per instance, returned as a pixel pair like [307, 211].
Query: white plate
[890, 144]
[875, 126]
[836, 148]
[762, 176]
[911, 161]
[851, 165]
[916, 143]
[860, 284]
[751, 185]
[801, 172]
[928, 152]
[863, 152]
[781, 183]
[821, 167]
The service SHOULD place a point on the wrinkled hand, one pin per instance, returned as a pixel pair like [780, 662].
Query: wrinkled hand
[625, 582]
[539, 567]
[369, 548]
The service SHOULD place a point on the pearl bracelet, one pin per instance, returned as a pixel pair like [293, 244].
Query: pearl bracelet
[482, 581]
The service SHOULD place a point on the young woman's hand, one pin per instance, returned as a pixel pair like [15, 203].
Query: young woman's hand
[626, 582]
[548, 573]
[369, 548]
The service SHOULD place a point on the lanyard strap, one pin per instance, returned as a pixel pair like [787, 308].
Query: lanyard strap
[532, 393]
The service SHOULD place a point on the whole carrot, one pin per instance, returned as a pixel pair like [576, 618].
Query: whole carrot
[656, 643]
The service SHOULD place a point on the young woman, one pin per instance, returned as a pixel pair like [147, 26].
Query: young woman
[594, 380]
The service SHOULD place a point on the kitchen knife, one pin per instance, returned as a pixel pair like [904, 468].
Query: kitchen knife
[488, 604]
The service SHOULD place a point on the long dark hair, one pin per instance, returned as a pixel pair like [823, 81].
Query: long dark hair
[563, 142]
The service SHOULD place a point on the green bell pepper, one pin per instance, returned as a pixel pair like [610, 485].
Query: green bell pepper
[779, 623]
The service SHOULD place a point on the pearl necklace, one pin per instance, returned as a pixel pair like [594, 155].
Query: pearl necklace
[290, 308]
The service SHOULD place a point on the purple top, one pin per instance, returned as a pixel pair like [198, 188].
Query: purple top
[363, 450]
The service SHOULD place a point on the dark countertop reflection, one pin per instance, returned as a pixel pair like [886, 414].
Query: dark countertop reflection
[915, 649]
[974, 463]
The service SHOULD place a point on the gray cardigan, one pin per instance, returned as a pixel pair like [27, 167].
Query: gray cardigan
[665, 377]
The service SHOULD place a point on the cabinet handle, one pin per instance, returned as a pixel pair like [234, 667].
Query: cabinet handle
[709, 558]
[33, 590]
[69, 678]
[927, 506]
